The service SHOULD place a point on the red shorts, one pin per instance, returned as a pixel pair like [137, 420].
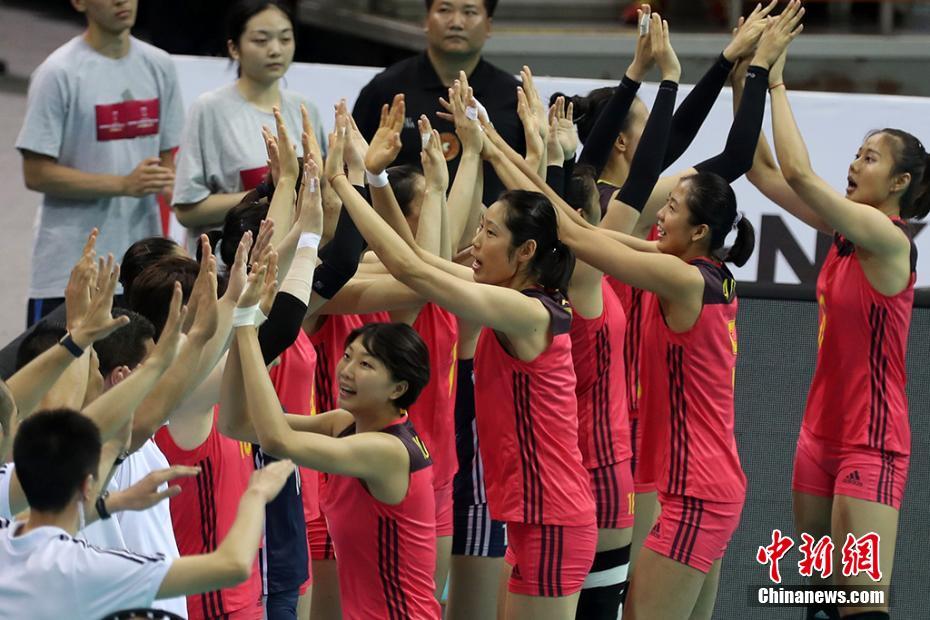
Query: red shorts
[444, 510]
[321, 543]
[613, 495]
[549, 560]
[826, 468]
[644, 472]
[693, 531]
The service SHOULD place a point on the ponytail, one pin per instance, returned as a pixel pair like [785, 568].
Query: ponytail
[711, 202]
[744, 244]
[556, 267]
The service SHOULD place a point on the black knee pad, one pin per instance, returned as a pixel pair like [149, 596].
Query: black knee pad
[605, 589]
[822, 612]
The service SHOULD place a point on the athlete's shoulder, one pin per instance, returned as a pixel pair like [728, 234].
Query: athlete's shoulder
[719, 283]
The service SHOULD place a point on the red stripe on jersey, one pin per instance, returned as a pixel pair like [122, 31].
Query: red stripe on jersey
[388, 565]
[678, 409]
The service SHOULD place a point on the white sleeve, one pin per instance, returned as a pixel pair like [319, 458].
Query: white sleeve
[172, 110]
[6, 475]
[112, 580]
[190, 177]
[46, 108]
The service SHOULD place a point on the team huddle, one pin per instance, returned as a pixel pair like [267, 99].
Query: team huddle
[469, 360]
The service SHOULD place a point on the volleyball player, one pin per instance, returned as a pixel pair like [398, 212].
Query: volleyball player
[853, 450]
[512, 288]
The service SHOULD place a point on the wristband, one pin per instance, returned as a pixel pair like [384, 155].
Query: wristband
[377, 180]
[244, 316]
[101, 506]
[72, 347]
[260, 317]
[308, 240]
[774, 86]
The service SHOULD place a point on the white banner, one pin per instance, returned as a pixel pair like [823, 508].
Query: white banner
[787, 251]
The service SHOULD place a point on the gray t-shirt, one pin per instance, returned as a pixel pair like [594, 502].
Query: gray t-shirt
[222, 150]
[104, 116]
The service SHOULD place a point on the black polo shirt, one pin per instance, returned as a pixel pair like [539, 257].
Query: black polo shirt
[417, 80]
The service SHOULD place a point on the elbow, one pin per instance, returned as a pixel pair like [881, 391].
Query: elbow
[33, 180]
[187, 215]
[274, 444]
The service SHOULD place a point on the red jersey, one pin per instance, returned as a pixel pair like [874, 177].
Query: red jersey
[688, 382]
[527, 419]
[434, 412]
[293, 380]
[375, 317]
[387, 552]
[862, 342]
[203, 512]
[597, 351]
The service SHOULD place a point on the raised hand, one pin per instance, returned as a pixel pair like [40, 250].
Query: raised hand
[288, 165]
[435, 169]
[262, 241]
[269, 283]
[468, 129]
[256, 283]
[146, 493]
[565, 123]
[169, 342]
[662, 49]
[536, 105]
[238, 273]
[385, 144]
[80, 283]
[748, 32]
[356, 146]
[269, 480]
[337, 143]
[203, 302]
[310, 203]
[779, 33]
[274, 157]
[98, 322]
[149, 177]
[308, 138]
[535, 140]
[554, 152]
[643, 58]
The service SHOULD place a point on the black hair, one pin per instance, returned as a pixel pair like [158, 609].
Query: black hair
[242, 11]
[152, 290]
[587, 108]
[489, 6]
[911, 157]
[530, 215]
[403, 180]
[711, 201]
[43, 337]
[245, 216]
[125, 346]
[140, 255]
[54, 452]
[581, 192]
[402, 351]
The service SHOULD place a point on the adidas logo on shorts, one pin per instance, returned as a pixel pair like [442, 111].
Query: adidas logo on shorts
[853, 478]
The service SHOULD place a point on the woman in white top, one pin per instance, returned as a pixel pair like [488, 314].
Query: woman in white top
[222, 153]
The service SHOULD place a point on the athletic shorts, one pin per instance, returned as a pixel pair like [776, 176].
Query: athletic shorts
[693, 531]
[444, 510]
[321, 543]
[644, 470]
[613, 495]
[826, 468]
[549, 560]
[476, 534]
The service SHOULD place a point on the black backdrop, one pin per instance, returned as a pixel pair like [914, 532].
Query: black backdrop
[777, 354]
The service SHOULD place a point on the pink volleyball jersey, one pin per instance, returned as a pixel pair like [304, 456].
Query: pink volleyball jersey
[387, 553]
[527, 419]
[204, 511]
[434, 412]
[293, 381]
[688, 381]
[857, 395]
[597, 351]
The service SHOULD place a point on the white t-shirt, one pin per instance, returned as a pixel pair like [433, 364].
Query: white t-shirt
[223, 150]
[6, 475]
[100, 115]
[104, 533]
[149, 531]
[48, 575]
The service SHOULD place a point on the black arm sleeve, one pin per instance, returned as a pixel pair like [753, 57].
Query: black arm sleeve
[736, 158]
[339, 258]
[692, 112]
[648, 160]
[597, 147]
[282, 327]
[555, 178]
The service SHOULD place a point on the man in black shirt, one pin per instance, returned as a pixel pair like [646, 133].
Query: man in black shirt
[455, 33]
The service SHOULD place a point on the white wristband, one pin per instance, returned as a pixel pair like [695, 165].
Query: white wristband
[377, 180]
[260, 317]
[308, 240]
[424, 138]
[244, 316]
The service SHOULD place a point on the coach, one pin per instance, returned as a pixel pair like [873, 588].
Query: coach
[456, 30]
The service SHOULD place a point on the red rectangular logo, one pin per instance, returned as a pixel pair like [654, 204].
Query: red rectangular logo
[252, 177]
[127, 119]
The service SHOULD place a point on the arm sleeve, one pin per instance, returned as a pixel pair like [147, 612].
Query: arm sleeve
[339, 258]
[282, 327]
[555, 178]
[46, 108]
[737, 155]
[648, 160]
[597, 148]
[692, 112]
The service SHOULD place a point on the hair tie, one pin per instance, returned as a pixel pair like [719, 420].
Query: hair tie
[737, 219]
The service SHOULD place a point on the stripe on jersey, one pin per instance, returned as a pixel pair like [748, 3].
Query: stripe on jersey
[678, 436]
[323, 380]
[603, 429]
[688, 529]
[634, 427]
[550, 560]
[631, 348]
[389, 569]
[886, 479]
[529, 455]
[211, 602]
[878, 364]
